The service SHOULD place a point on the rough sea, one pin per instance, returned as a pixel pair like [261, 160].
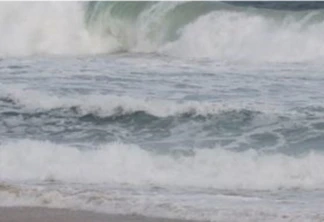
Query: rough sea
[210, 111]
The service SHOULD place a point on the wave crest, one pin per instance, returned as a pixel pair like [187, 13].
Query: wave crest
[215, 30]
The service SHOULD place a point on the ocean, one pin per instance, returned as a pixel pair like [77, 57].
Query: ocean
[206, 111]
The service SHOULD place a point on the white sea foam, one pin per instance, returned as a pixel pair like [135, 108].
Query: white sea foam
[226, 35]
[120, 163]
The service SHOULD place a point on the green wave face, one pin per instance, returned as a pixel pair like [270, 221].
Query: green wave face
[158, 26]
[158, 22]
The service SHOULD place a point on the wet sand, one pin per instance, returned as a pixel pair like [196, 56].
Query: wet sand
[39, 214]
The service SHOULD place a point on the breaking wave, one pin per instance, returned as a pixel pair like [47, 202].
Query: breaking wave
[159, 124]
[214, 30]
[28, 160]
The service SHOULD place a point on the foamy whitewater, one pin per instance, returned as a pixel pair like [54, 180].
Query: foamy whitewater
[211, 111]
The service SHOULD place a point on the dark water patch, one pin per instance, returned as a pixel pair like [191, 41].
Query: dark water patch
[135, 126]
[134, 117]
[239, 129]
[7, 100]
[17, 67]
[319, 126]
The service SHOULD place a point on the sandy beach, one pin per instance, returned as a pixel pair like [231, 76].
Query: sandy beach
[39, 214]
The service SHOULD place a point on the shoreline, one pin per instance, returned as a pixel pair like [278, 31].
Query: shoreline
[43, 214]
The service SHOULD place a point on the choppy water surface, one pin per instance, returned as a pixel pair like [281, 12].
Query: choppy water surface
[196, 110]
